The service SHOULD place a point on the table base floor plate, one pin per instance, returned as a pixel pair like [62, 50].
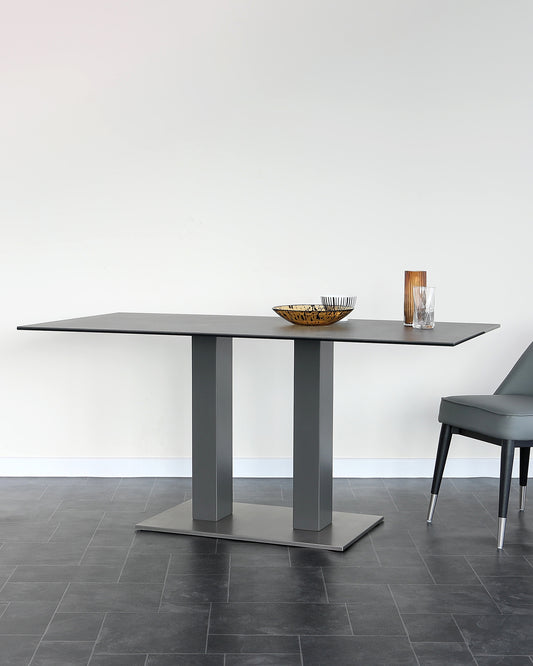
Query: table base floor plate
[263, 524]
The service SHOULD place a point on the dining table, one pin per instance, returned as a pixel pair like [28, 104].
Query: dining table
[212, 511]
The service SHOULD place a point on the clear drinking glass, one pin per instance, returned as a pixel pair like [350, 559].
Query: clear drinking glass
[424, 307]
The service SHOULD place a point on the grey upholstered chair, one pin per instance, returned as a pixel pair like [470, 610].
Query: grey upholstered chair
[504, 419]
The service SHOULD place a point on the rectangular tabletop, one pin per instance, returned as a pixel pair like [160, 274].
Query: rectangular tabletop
[383, 331]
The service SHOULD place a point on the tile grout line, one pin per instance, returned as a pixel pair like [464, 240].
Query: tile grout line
[98, 637]
[56, 510]
[426, 565]
[90, 540]
[463, 636]
[229, 578]
[149, 497]
[403, 623]
[420, 554]
[484, 586]
[49, 623]
[128, 554]
[392, 498]
[164, 581]
[324, 583]
[349, 618]
[49, 540]
[375, 550]
[112, 499]
[208, 625]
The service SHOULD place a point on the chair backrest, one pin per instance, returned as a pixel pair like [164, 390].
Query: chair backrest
[520, 380]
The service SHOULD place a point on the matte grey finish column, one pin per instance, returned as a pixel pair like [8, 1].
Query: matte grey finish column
[313, 434]
[212, 464]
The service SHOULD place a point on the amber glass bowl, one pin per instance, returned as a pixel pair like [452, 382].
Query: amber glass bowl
[312, 315]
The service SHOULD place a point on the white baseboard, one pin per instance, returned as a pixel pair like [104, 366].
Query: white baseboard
[246, 467]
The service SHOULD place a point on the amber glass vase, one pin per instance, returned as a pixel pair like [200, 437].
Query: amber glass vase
[412, 279]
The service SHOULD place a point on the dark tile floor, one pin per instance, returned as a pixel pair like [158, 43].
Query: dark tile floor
[79, 587]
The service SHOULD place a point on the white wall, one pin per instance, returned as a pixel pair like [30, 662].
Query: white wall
[225, 156]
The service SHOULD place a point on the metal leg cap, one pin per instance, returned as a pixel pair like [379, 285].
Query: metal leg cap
[522, 504]
[501, 532]
[431, 510]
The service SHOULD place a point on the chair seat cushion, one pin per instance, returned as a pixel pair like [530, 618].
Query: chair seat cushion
[500, 416]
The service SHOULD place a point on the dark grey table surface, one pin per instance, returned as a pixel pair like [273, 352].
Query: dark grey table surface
[382, 331]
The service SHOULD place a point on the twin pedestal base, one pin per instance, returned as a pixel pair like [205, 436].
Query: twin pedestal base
[211, 512]
[263, 524]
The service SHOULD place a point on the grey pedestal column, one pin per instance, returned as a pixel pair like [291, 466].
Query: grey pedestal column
[212, 451]
[313, 434]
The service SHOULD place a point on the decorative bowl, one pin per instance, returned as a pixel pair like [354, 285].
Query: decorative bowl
[339, 301]
[312, 315]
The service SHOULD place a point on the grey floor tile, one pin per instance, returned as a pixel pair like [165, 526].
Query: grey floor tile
[357, 651]
[407, 556]
[51, 592]
[277, 584]
[497, 635]
[69, 529]
[27, 617]
[28, 511]
[368, 485]
[194, 589]
[78, 513]
[432, 628]
[520, 549]
[108, 556]
[501, 565]
[180, 631]
[62, 654]
[18, 650]
[361, 553]
[147, 542]
[387, 575]
[279, 618]
[123, 519]
[74, 627]
[511, 593]
[443, 599]
[340, 593]
[192, 563]
[50, 573]
[113, 537]
[33, 532]
[58, 552]
[437, 539]
[389, 534]
[184, 660]
[375, 616]
[145, 568]
[504, 661]
[443, 654]
[6, 572]
[263, 660]
[232, 644]
[102, 597]
[118, 660]
[244, 554]
[451, 569]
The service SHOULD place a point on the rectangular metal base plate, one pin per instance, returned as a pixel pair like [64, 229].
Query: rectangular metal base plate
[263, 524]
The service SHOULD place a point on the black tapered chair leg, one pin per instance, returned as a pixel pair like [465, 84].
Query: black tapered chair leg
[506, 471]
[524, 468]
[442, 453]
